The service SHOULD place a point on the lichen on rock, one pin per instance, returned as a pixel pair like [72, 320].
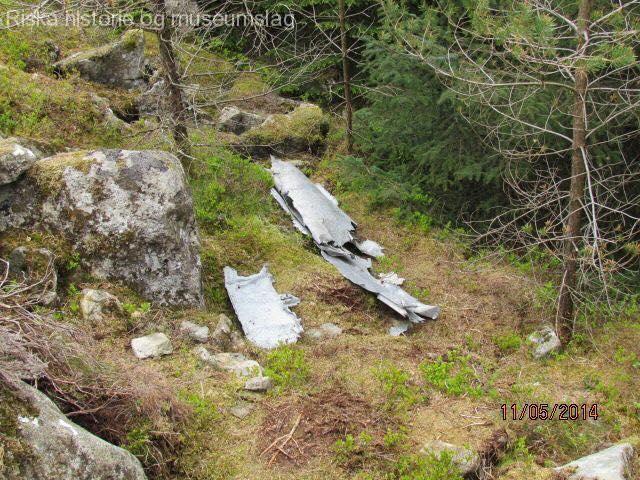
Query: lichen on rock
[119, 64]
[128, 214]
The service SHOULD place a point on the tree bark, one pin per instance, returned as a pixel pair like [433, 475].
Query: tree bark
[346, 75]
[173, 79]
[572, 240]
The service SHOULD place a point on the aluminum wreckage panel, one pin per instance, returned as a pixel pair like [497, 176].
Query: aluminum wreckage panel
[315, 212]
[264, 314]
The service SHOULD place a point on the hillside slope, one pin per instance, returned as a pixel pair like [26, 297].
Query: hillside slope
[361, 404]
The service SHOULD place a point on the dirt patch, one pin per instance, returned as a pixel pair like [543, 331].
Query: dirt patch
[299, 429]
[340, 292]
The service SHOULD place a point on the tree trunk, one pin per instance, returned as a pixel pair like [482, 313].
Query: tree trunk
[173, 80]
[572, 241]
[346, 75]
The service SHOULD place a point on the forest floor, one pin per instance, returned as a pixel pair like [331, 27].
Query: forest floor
[363, 404]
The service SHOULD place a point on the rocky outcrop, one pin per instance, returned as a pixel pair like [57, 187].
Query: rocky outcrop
[129, 215]
[302, 130]
[234, 120]
[60, 449]
[15, 159]
[119, 64]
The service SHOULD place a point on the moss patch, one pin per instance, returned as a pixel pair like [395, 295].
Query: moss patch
[48, 173]
[304, 128]
[12, 450]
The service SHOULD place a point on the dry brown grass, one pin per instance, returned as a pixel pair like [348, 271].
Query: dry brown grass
[109, 399]
[300, 428]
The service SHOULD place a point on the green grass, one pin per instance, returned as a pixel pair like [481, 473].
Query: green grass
[288, 367]
[400, 393]
[452, 374]
[508, 342]
[427, 467]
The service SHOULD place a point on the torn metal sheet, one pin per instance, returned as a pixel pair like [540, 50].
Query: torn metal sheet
[315, 212]
[312, 206]
[357, 271]
[263, 313]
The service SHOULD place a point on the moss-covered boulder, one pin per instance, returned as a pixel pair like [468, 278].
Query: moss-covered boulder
[303, 130]
[128, 214]
[119, 64]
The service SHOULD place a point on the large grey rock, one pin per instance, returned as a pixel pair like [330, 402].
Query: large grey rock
[119, 64]
[129, 214]
[232, 362]
[234, 120]
[195, 332]
[613, 463]
[151, 346]
[61, 450]
[466, 460]
[546, 342]
[15, 159]
[95, 303]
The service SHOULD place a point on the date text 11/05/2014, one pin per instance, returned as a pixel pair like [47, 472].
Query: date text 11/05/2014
[546, 411]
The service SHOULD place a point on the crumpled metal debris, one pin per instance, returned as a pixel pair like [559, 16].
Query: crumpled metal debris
[315, 212]
[263, 313]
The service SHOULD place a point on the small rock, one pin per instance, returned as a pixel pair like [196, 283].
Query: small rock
[324, 331]
[466, 460]
[223, 329]
[154, 345]
[241, 410]
[258, 384]
[236, 121]
[237, 341]
[95, 303]
[371, 248]
[225, 337]
[398, 327]
[546, 342]
[195, 332]
[15, 159]
[613, 463]
[391, 278]
[233, 362]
